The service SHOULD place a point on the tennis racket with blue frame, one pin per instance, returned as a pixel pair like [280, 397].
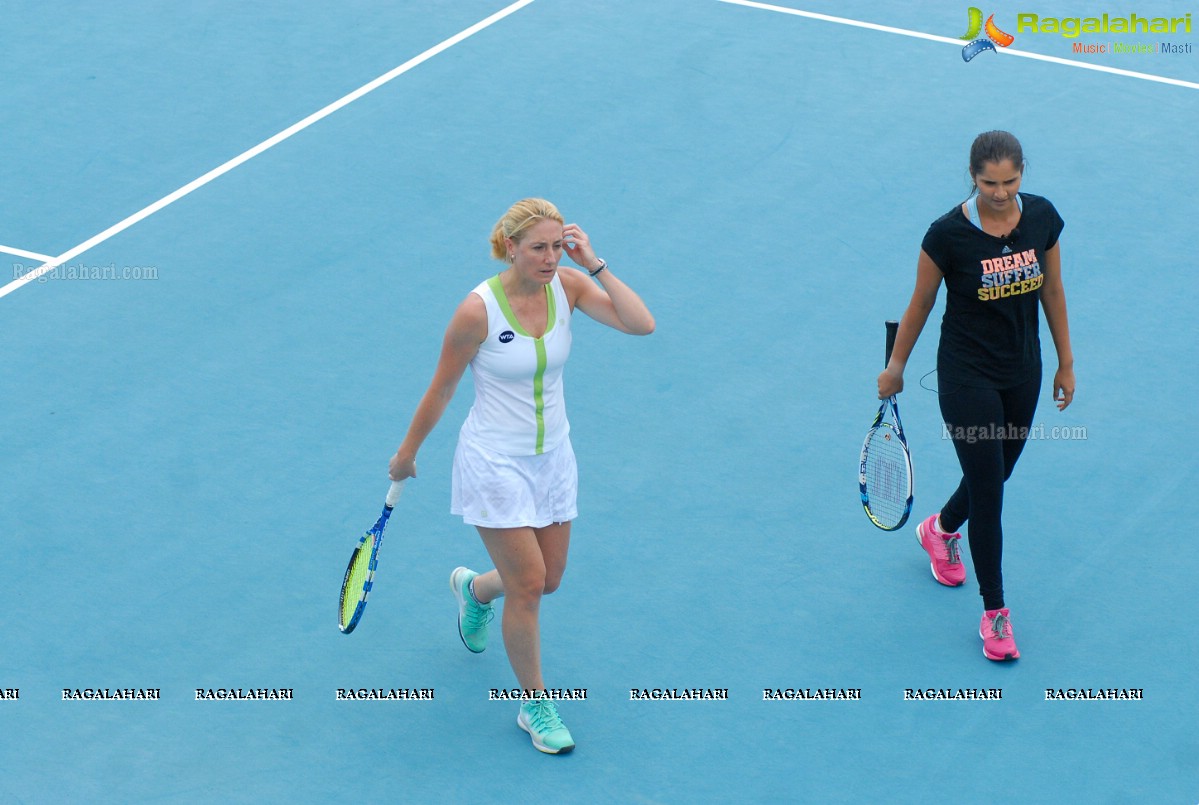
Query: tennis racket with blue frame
[360, 574]
[885, 471]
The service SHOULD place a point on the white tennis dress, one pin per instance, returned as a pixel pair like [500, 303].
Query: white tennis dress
[514, 465]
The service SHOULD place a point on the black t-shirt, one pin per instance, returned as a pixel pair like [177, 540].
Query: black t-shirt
[989, 331]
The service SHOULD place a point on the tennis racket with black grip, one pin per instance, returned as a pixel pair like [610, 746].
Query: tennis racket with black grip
[885, 470]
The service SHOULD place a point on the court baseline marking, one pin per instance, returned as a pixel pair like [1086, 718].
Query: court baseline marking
[51, 263]
[958, 42]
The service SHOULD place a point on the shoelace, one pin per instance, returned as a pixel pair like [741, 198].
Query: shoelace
[478, 615]
[1000, 628]
[952, 552]
[544, 716]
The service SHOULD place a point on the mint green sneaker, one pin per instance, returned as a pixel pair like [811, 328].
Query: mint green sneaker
[540, 719]
[473, 617]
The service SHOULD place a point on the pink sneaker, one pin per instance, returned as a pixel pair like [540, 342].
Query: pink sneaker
[943, 550]
[996, 632]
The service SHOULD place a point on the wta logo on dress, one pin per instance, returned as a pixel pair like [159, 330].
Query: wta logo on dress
[507, 336]
[976, 44]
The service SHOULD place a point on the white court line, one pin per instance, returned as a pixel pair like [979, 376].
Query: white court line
[52, 263]
[22, 253]
[958, 42]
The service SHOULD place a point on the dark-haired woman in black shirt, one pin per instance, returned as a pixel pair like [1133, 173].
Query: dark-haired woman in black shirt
[998, 255]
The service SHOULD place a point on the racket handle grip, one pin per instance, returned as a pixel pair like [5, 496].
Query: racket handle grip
[892, 329]
[393, 494]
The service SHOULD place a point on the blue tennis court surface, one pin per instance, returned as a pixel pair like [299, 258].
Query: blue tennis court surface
[202, 404]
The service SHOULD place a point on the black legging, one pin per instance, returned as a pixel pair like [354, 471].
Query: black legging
[989, 428]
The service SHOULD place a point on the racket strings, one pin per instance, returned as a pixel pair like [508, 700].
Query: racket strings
[887, 479]
[357, 582]
[362, 563]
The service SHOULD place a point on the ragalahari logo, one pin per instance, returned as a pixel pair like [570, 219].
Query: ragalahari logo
[978, 44]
